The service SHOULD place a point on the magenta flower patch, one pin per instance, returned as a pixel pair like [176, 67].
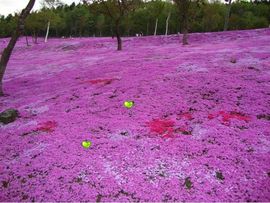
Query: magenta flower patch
[198, 130]
[48, 126]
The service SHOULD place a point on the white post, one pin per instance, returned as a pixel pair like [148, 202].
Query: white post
[167, 23]
[156, 27]
[47, 34]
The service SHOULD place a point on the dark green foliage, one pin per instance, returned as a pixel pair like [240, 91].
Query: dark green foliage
[7, 25]
[8, 116]
[188, 183]
[219, 175]
[83, 20]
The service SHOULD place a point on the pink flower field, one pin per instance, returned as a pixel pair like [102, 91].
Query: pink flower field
[199, 129]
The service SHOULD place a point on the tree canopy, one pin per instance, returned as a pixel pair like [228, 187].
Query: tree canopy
[84, 20]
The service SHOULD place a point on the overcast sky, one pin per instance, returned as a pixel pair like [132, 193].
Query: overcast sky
[11, 6]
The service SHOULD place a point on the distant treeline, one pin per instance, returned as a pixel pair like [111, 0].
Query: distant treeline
[84, 20]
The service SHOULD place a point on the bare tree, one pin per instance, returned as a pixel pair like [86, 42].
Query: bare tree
[8, 50]
[155, 33]
[167, 23]
[51, 4]
[155, 8]
[47, 32]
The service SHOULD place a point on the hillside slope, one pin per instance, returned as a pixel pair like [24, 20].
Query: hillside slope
[199, 129]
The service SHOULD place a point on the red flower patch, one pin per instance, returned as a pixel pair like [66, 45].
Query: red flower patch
[211, 116]
[227, 116]
[163, 127]
[236, 115]
[48, 126]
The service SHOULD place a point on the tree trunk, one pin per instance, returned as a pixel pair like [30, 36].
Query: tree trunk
[167, 23]
[111, 26]
[185, 22]
[185, 37]
[8, 50]
[119, 42]
[36, 38]
[155, 33]
[147, 28]
[227, 17]
[47, 33]
[118, 36]
[26, 39]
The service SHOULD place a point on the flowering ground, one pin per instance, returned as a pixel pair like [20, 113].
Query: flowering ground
[199, 129]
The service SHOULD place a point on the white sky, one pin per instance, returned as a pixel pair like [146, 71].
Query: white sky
[12, 6]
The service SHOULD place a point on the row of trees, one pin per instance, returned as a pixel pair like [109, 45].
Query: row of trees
[148, 18]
